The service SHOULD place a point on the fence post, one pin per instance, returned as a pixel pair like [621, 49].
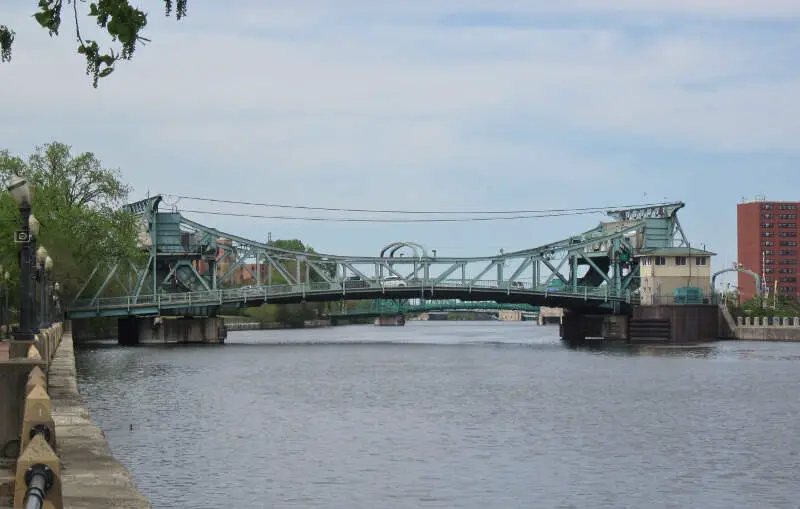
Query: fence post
[38, 477]
[37, 418]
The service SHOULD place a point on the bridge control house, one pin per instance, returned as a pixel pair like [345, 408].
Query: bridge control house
[674, 275]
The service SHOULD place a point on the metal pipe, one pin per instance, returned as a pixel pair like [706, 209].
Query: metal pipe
[39, 479]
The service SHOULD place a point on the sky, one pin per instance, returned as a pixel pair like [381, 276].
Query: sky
[431, 105]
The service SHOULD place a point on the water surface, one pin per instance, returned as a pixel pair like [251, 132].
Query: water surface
[449, 415]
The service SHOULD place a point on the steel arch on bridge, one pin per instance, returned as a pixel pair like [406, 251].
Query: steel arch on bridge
[193, 269]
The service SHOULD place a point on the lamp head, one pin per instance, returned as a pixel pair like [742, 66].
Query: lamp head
[57, 286]
[41, 254]
[48, 263]
[19, 189]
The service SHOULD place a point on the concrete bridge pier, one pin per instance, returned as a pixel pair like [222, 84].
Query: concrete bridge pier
[578, 329]
[396, 320]
[159, 330]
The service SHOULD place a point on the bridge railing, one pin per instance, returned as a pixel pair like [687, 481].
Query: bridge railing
[265, 292]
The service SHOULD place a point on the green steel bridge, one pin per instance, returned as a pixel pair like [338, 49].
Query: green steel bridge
[190, 269]
[380, 307]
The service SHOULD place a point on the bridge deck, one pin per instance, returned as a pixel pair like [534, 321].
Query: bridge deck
[149, 305]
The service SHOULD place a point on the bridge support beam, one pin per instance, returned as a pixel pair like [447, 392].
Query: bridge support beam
[149, 330]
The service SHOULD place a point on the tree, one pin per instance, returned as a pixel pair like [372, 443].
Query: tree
[297, 246]
[123, 22]
[77, 202]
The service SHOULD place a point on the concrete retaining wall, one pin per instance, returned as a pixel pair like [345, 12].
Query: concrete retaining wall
[754, 328]
[689, 323]
[91, 477]
[770, 333]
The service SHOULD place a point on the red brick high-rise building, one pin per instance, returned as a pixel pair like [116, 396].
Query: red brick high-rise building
[767, 237]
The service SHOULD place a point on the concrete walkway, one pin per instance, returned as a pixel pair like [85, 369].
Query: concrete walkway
[91, 477]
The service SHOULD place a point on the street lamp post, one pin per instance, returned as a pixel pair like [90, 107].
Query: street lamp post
[20, 190]
[39, 276]
[56, 303]
[34, 273]
[45, 266]
[4, 298]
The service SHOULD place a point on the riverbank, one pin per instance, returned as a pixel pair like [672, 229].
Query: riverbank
[237, 324]
[91, 477]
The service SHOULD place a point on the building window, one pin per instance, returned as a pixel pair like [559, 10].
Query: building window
[701, 260]
[768, 252]
[786, 271]
[785, 216]
[786, 206]
[766, 216]
[788, 280]
[766, 206]
[768, 243]
[680, 260]
[789, 243]
[769, 270]
[787, 252]
[767, 234]
[769, 261]
[660, 260]
[787, 225]
[767, 225]
[788, 234]
[790, 261]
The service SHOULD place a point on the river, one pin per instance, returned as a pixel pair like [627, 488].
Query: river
[471, 415]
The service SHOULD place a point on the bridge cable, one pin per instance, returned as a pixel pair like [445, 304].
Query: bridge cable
[388, 220]
[413, 212]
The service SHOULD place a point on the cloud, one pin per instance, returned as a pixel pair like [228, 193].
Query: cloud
[439, 104]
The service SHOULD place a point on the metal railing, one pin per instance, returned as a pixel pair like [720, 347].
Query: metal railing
[265, 292]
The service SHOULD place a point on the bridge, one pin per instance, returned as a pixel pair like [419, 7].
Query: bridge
[192, 270]
[378, 307]
[188, 269]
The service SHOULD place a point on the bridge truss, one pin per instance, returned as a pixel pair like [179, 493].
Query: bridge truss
[192, 268]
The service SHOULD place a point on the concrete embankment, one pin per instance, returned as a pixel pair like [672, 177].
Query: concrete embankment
[767, 328]
[91, 477]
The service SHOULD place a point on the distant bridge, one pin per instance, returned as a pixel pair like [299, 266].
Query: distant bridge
[392, 307]
[189, 268]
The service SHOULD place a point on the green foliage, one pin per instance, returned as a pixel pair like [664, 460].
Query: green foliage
[769, 306]
[77, 203]
[123, 22]
[6, 41]
[291, 315]
[291, 266]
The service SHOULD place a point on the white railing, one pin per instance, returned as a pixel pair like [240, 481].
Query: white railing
[265, 293]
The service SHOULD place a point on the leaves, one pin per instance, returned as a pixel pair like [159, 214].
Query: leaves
[119, 18]
[77, 203]
[6, 41]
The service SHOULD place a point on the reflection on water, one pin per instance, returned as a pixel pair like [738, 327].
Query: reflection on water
[450, 415]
